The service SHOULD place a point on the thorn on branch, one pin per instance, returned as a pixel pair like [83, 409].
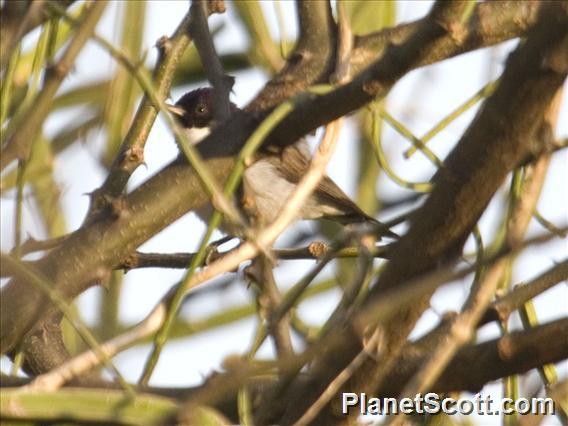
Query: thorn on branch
[164, 46]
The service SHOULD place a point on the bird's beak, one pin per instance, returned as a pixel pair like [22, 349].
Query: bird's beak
[175, 109]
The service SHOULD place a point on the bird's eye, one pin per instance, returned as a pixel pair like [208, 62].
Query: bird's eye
[201, 109]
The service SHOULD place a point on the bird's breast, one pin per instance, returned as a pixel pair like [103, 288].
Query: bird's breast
[269, 191]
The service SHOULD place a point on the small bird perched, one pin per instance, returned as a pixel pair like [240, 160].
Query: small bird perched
[271, 179]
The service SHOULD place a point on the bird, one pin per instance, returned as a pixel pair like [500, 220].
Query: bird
[269, 180]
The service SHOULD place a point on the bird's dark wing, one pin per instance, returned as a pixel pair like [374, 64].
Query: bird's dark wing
[295, 165]
[295, 162]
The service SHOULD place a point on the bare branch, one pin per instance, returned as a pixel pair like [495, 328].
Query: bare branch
[314, 251]
[268, 300]
[462, 327]
[501, 309]
[442, 224]
[131, 153]
[311, 61]
[490, 24]
[89, 251]
[210, 60]
[84, 362]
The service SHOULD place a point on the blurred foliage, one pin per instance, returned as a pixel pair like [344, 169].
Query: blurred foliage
[107, 106]
[83, 405]
[364, 17]
[263, 50]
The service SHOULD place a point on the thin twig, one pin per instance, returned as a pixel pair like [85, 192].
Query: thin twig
[20, 183]
[463, 326]
[248, 250]
[545, 223]
[203, 41]
[268, 299]
[131, 153]
[23, 131]
[501, 309]
[333, 388]
[482, 93]
[54, 382]
[315, 251]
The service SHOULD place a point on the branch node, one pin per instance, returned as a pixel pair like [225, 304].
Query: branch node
[134, 155]
[216, 6]
[373, 88]
[164, 45]
[130, 262]
[102, 276]
[318, 249]
[118, 208]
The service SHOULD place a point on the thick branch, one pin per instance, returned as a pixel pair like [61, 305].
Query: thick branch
[502, 135]
[515, 353]
[96, 248]
[311, 61]
[490, 23]
[472, 367]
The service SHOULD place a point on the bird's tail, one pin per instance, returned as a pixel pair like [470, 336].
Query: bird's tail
[360, 219]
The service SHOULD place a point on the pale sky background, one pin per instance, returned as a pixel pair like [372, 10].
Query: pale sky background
[419, 100]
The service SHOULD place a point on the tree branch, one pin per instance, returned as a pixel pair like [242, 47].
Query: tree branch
[312, 60]
[473, 367]
[94, 249]
[461, 328]
[500, 137]
[131, 153]
[209, 59]
[501, 309]
[314, 251]
[490, 24]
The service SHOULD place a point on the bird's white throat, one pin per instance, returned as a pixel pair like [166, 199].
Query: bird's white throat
[194, 135]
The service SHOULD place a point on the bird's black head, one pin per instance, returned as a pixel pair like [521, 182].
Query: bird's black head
[195, 108]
